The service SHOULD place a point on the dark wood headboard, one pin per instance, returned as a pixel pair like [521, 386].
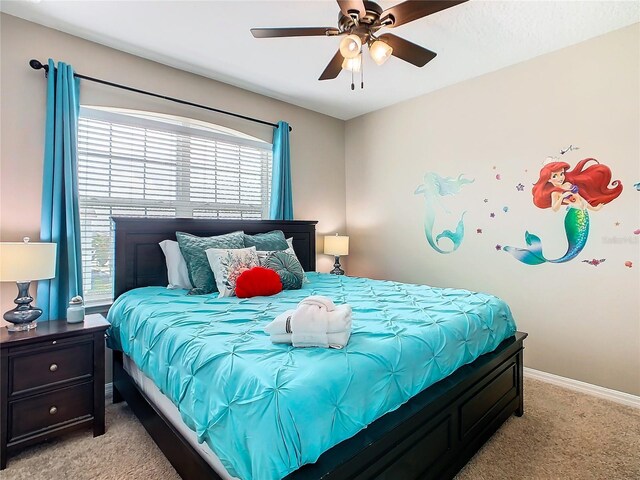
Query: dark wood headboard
[139, 261]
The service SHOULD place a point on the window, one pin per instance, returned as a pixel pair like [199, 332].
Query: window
[143, 164]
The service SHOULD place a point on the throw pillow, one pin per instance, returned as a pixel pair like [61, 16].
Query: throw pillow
[288, 268]
[177, 272]
[273, 240]
[193, 249]
[258, 281]
[228, 264]
[262, 254]
[292, 251]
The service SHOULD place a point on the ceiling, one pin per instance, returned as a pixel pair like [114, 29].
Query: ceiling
[212, 39]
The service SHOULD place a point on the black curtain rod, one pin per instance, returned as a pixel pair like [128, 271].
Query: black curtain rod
[37, 65]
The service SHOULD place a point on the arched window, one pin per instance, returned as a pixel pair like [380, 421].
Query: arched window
[146, 164]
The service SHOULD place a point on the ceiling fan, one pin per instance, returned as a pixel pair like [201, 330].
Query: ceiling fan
[360, 21]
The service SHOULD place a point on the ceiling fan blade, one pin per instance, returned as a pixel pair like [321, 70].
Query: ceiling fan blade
[294, 32]
[407, 51]
[347, 6]
[334, 67]
[411, 10]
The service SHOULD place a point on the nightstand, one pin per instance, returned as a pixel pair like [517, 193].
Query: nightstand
[51, 382]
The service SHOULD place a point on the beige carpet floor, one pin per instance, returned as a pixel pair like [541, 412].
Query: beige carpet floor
[563, 435]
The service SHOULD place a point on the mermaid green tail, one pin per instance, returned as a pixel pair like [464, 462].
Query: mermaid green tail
[455, 237]
[433, 188]
[576, 226]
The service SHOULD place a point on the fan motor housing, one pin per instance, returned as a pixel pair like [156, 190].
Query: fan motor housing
[364, 26]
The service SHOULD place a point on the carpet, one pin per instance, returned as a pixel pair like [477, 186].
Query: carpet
[562, 435]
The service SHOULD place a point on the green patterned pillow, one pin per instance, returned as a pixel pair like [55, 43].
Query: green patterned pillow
[273, 240]
[193, 250]
[287, 267]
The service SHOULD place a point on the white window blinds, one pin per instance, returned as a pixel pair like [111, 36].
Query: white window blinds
[130, 164]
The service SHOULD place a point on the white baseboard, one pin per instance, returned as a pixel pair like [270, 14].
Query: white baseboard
[583, 387]
[108, 389]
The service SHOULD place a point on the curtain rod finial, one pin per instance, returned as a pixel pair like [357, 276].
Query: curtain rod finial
[37, 65]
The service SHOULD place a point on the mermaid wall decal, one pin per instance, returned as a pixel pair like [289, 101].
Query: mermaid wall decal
[584, 188]
[433, 188]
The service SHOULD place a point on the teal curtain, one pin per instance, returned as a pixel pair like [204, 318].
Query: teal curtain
[281, 207]
[60, 221]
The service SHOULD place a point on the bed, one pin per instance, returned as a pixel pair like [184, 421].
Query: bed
[432, 433]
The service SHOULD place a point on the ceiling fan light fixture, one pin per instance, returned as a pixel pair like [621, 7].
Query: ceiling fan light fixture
[352, 64]
[350, 46]
[359, 22]
[380, 51]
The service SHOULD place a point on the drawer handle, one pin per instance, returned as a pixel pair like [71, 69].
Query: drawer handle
[54, 342]
[53, 367]
[53, 410]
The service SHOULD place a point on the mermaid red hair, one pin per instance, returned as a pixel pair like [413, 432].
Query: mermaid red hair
[592, 182]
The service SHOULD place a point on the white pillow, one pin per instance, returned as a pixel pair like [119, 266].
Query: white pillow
[228, 264]
[176, 266]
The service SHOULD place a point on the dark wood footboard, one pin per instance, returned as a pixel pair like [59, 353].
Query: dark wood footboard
[433, 435]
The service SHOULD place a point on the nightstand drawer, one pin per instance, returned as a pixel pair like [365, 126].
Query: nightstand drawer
[48, 410]
[44, 367]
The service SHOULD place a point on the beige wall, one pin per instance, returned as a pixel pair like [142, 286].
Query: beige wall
[583, 321]
[317, 141]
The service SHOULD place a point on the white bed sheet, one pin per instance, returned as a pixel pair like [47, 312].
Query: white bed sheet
[171, 413]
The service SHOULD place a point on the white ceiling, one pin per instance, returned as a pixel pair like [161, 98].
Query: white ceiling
[212, 39]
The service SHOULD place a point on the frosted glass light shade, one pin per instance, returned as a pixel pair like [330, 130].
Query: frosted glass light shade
[26, 261]
[380, 52]
[350, 46]
[352, 64]
[336, 245]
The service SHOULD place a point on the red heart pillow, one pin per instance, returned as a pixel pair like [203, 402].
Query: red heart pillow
[258, 281]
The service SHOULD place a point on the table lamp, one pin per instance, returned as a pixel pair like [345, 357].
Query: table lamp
[336, 245]
[22, 262]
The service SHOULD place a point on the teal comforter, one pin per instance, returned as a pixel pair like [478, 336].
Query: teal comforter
[267, 409]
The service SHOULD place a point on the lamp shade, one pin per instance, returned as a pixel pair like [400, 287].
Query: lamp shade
[350, 46]
[26, 261]
[336, 245]
[380, 52]
[352, 64]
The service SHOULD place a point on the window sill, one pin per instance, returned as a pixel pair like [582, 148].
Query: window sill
[99, 308]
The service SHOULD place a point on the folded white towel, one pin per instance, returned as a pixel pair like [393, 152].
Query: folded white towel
[316, 322]
[281, 338]
[280, 325]
[309, 326]
[319, 301]
[339, 321]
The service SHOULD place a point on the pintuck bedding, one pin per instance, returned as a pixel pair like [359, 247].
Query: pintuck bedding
[265, 409]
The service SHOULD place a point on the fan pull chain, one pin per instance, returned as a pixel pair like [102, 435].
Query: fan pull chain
[361, 72]
[353, 87]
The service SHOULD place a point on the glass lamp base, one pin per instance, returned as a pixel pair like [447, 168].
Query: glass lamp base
[24, 316]
[22, 327]
[337, 270]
